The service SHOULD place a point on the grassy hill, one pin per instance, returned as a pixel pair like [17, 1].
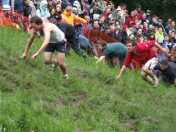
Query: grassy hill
[36, 98]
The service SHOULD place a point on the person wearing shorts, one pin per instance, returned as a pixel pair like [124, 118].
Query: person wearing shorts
[54, 41]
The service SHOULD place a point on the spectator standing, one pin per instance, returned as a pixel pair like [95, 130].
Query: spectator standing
[43, 11]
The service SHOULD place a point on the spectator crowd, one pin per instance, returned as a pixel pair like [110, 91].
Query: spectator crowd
[134, 39]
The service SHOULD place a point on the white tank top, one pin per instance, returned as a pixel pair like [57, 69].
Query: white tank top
[56, 34]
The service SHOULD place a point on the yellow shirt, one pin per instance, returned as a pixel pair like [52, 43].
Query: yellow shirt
[72, 19]
[159, 36]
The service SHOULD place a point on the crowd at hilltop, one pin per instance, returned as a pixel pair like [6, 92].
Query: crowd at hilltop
[134, 39]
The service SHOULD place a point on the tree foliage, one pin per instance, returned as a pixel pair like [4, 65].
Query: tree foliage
[162, 8]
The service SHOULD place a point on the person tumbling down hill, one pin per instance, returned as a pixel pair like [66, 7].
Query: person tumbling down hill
[54, 40]
[160, 67]
[114, 53]
[147, 71]
[138, 54]
[166, 71]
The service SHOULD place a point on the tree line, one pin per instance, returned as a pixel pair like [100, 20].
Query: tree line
[162, 8]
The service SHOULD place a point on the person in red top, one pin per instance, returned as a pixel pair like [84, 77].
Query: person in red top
[138, 54]
[142, 52]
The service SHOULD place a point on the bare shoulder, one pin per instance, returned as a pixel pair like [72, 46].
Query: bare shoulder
[47, 27]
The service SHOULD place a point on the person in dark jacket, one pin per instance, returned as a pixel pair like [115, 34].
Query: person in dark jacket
[72, 41]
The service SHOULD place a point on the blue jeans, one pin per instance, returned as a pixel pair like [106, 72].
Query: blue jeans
[72, 39]
[78, 30]
[84, 42]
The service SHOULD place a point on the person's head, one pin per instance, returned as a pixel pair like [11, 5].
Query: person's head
[133, 13]
[156, 29]
[96, 25]
[58, 8]
[163, 62]
[36, 23]
[166, 38]
[68, 10]
[50, 3]
[160, 29]
[140, 38]
[109, 6]
[155, 19]
[172, 34]
[108, 10]
[87, 18]
[151, 27]
[131, 46]
[151, 36]
[173, 24]
[139, 32]
[169, 20]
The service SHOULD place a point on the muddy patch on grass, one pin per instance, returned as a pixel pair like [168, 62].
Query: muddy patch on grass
[60, 102]
[82, 73]
[132, 124]
[77, 97]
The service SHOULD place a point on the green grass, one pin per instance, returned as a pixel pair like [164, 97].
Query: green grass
[35, 98]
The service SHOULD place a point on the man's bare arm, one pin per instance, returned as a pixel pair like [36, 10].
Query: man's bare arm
[164, 50]
[121, 72]
[28, 46]
[44, 44]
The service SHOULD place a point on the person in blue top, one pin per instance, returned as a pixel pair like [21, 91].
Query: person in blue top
[114, 53]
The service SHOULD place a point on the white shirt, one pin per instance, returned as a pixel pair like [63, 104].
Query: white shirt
[56, 35]
[149, 65]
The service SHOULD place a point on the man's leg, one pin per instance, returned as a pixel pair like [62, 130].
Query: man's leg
[61, 62]
[150, 77]
[48, 57]
[74, 42]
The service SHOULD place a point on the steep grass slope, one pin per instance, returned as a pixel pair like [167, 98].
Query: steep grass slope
[35, 98]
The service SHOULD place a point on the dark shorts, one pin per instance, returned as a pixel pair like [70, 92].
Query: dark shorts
[58, 47]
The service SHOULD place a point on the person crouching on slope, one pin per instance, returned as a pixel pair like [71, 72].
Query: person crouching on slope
[138, 54]
[113, 52]
[147, 71]
[54, 40]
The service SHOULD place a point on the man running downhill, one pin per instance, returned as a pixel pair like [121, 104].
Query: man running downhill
[54, 40]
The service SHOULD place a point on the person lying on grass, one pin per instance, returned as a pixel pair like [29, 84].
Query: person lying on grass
[113, 53]
[54, 40]
[138, 54]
